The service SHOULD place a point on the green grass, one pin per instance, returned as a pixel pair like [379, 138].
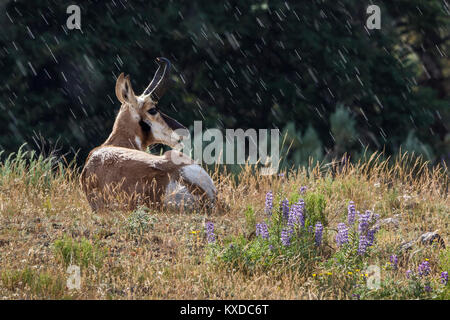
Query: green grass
[40, 284]
[82, 253]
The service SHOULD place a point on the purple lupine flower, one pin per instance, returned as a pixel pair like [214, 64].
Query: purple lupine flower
[301, 219]
[292, 217]
[285, 208]
[210, 236]
[262, 230]
[301, 212]
[342, 235]
[444, 277]
[318, 233]
[427, 288]
[363, 244]
[408, 273]
[371, 236]
[351, 213]
[286, 237]
[303, 189]
[365, 219]
[296, 215]
[258, 229]
[269, 203]
[424, 268]
[373, 218]
[302, 205]
[363, 226]
[394, 261]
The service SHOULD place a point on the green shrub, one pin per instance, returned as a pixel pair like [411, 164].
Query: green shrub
[286, 245]
[82, 253]
[139, 222]
[315, 209]
[258, 254]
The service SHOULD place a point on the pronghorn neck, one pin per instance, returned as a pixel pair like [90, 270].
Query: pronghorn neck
[127, 132]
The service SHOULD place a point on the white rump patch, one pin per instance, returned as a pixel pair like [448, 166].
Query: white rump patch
[196, 175]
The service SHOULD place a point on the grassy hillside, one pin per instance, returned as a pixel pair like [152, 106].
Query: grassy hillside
[245, 251]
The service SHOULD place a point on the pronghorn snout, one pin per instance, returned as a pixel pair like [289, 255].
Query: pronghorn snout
[165, 130]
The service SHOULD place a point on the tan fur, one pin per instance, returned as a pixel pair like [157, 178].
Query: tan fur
[119, 173]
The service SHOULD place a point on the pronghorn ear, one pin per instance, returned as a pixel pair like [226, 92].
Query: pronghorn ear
[124, 91]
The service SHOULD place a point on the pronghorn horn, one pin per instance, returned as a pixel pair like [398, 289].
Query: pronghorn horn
[158, 84]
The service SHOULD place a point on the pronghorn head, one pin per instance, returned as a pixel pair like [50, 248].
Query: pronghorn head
[151, 125]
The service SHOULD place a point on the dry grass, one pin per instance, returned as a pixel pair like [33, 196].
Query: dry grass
[167, 260]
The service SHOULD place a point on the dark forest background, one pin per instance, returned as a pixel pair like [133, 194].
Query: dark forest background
[307, 67]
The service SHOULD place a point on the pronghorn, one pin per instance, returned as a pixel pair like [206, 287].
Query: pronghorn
[120, 166]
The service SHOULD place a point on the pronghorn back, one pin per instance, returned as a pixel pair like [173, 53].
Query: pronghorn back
[143, 179]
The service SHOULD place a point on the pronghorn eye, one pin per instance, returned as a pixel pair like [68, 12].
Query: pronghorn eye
[153, 111]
